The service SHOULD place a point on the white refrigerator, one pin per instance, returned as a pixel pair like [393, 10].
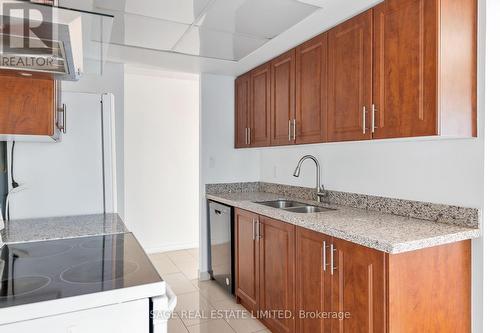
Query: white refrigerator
[75, 176]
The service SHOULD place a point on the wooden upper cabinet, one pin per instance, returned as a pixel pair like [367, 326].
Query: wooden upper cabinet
[311, 90]
[260, 106]
[400, 69]
[283, 99]
[242, 108]
[350, 79]
[247, 259]
[405, 68]
[457, 77]
[277, 272]
[27, 106]
[424, 76]
[359, 288]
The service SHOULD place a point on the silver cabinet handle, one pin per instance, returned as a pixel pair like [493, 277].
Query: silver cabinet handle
[253, 229]
[294, 123]
[259, 236]
[289, 130]
[364, 119]
[62, 111]
[249, 136]
[324, 256]
[373, 118]
[332, 260]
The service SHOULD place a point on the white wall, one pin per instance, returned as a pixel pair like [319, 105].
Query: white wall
[161, 158]
[220, 162]
[440, 171]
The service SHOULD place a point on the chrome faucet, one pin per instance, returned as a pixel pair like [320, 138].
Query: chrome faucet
[320, 189]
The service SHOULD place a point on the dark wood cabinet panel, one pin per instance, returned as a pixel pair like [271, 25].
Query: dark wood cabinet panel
[247, 259]
[314, 291]
[335, 286]
[277, 273]
[283, 99]
[458, 68]
[359, 288]
[353, 292]
[405, 68]
[350, 79]
[401, 69]
[429, 290]
[311, 90]
[260, 106]
[242, 108]
[27, 106]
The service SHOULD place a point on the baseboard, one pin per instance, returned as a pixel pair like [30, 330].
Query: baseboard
[170, 247]
[203, 276]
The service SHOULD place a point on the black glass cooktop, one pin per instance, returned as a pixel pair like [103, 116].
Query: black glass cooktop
[48, 270]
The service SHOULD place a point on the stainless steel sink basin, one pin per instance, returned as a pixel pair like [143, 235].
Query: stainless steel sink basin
[282, 204]
[295, 206]
[309, 209]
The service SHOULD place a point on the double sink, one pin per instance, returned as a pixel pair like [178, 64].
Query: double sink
[295, 206]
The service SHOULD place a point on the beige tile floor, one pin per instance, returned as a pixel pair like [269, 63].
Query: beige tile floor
[180, 270]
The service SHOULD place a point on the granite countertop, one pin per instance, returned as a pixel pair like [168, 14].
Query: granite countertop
[38, 229]
[381, 231]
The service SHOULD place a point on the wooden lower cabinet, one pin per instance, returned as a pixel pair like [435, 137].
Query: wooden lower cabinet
[314, 283]
[247, 259]
[340, 285]
[265, 269]
[336, 286]
[359, 288]
[429, 290]
[277, 274]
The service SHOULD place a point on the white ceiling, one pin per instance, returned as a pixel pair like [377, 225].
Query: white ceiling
[214, 36]
[220, 29]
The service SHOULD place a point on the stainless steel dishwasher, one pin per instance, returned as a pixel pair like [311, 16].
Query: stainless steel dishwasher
[221, 245]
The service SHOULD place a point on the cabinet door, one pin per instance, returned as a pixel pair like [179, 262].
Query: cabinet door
[405, 68]
[242, 107]
[283, 99]
[247, 259]
[311, 90]
[350, 79]
[27, 106]
[277, 273]
[314, 284]
[359, 288]
[260, 106]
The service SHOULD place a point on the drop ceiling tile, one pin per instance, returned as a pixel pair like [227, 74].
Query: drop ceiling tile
[259, 18]
[151, 33]
[215, 44]
[181, 11]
